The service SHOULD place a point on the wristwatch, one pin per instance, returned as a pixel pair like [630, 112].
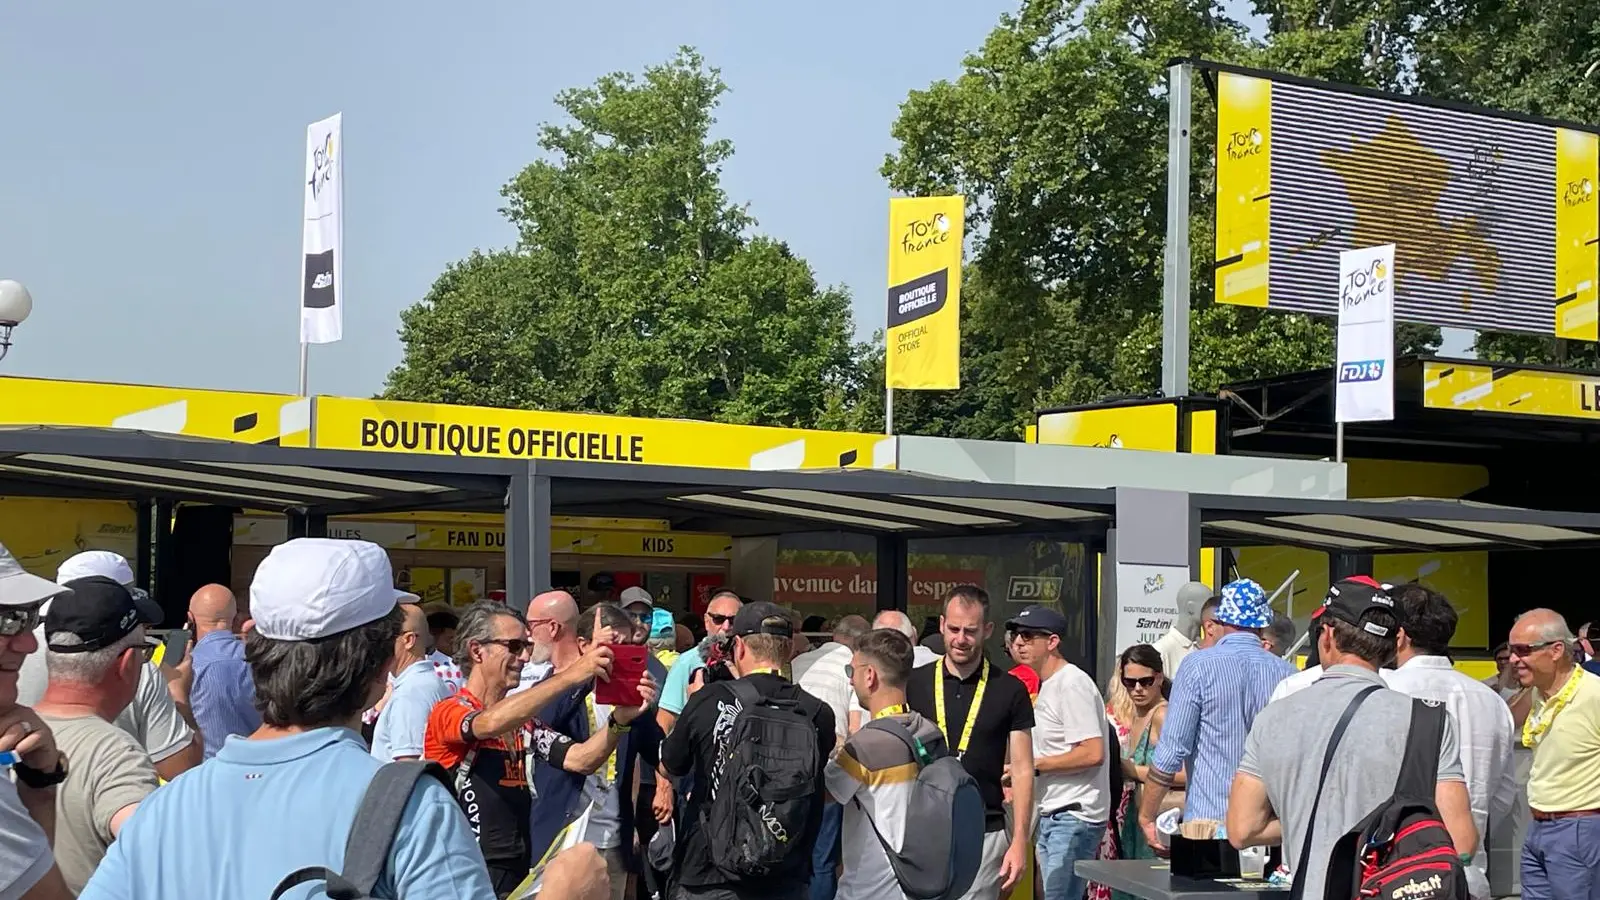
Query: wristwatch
[616, 727]
[39, 780]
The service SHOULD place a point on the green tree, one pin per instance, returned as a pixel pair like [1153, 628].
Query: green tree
[1056, 131]
[635, 285]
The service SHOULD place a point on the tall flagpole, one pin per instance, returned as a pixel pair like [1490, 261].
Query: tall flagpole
[303, 357]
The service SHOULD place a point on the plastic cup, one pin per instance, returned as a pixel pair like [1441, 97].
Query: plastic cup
[1253, 862]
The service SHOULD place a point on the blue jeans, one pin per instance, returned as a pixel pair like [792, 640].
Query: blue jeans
[1064, 839]
[825, 855]
[1561, 859]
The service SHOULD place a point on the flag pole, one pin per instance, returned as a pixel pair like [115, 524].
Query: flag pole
[304, 347]
[888, 410]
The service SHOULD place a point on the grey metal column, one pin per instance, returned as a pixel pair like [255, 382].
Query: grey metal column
[892, 572]
[316, 525]
[527, 537]
[1153, 529]
[1175, 267]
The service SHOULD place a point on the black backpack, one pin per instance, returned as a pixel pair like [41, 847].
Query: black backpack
[366, 851]
[1402, 851]
[764, 783]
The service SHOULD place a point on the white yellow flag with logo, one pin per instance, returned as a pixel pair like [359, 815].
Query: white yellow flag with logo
[1364, 373]
[322, 241]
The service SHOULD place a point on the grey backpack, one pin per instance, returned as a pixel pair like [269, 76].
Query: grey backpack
[366, 851]
[948, 811]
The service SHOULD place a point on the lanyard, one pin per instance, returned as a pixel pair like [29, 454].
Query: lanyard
[771, 671]
[972, 712]
[594, 729]
[899, 709]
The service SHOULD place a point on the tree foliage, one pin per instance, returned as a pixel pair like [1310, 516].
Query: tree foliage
[635, 285]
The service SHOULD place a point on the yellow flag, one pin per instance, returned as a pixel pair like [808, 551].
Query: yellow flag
[924, 334]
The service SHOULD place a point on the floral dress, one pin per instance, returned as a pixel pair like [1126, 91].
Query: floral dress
[1119, 812]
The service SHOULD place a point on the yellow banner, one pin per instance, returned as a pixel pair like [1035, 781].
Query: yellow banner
[223, 415]
[923, 339]
[1244, 188]
[1577, 295]
[435, 428]
[1510, 390]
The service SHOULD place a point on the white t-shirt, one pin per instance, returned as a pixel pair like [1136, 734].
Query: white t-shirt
[1295, 683]
[1068, 712]
[824, 678]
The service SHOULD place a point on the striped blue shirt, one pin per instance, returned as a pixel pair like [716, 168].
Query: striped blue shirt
[1215, 698]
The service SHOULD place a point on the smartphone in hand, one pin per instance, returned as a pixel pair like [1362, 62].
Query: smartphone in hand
[628, 665]
[177, 644]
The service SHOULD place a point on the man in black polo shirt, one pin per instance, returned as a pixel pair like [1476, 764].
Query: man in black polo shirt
[987, 734]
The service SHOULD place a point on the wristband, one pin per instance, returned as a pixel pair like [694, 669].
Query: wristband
[38, 780]
[617, 728]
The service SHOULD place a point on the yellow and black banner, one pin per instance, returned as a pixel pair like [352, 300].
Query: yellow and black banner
[1510, 390]
[1244, 188]
[1577, 234]
[923, 338]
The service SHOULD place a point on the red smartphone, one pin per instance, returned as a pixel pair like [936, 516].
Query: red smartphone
[628, 666]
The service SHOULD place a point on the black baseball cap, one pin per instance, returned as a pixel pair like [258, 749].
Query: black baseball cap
[1352, 600]
[100, 612]
[1039, 618]
[761, 617]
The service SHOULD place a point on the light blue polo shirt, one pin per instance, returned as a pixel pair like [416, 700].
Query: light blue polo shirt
[404, 719]
[259, 810]
[675, 693]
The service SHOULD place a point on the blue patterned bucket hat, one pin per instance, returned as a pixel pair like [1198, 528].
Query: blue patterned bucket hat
[1244, 605]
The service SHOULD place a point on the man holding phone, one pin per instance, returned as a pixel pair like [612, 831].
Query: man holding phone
[601, 801]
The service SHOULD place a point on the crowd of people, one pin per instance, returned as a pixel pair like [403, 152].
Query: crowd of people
[602, 754]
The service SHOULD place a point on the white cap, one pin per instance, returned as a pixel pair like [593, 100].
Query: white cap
[310, 588]
[633, 595]
[91, 563]
[19, 587]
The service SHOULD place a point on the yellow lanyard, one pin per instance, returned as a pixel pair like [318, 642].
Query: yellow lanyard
[594, 728]
[972, 711]
[774, 671]
[899, 709]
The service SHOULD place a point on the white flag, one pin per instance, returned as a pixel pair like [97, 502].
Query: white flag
[322, 272]
[1364, 375]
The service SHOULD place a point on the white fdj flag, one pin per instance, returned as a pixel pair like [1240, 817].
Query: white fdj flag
[1364, 375]
[322, 273]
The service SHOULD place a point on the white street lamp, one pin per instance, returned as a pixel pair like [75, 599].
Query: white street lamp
[15, 304]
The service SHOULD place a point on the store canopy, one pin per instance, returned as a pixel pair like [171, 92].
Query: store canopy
[111, 464]
[1401, 525]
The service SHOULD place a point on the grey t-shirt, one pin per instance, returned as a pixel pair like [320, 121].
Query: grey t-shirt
[24, 852]
[152, 718]
[108, 771]
[1290, 737]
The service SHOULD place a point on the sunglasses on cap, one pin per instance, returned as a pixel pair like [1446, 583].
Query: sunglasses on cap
[14, 620]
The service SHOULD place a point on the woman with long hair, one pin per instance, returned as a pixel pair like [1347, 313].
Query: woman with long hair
[1137, 705]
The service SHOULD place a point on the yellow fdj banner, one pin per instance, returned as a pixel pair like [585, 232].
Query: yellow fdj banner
[1510, 390]
[924, 334]
[1244, 188]
[223, 415]
[1577, 231]
[394, 426]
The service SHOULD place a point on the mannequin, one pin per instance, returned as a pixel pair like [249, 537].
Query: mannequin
[1179, 641]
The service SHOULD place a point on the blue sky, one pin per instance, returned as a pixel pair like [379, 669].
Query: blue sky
[152, 160]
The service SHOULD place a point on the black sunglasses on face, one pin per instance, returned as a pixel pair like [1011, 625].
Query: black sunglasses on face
[514, 646]
[718, 620]
[1131, 683]
[15, 620]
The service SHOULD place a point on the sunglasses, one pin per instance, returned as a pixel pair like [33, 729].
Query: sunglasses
[514, 646]
[1525, 650]
[15, 620]
[1131, 683]
[718, 620]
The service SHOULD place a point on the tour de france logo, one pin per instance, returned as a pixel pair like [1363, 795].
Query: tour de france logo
[1244, 144]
